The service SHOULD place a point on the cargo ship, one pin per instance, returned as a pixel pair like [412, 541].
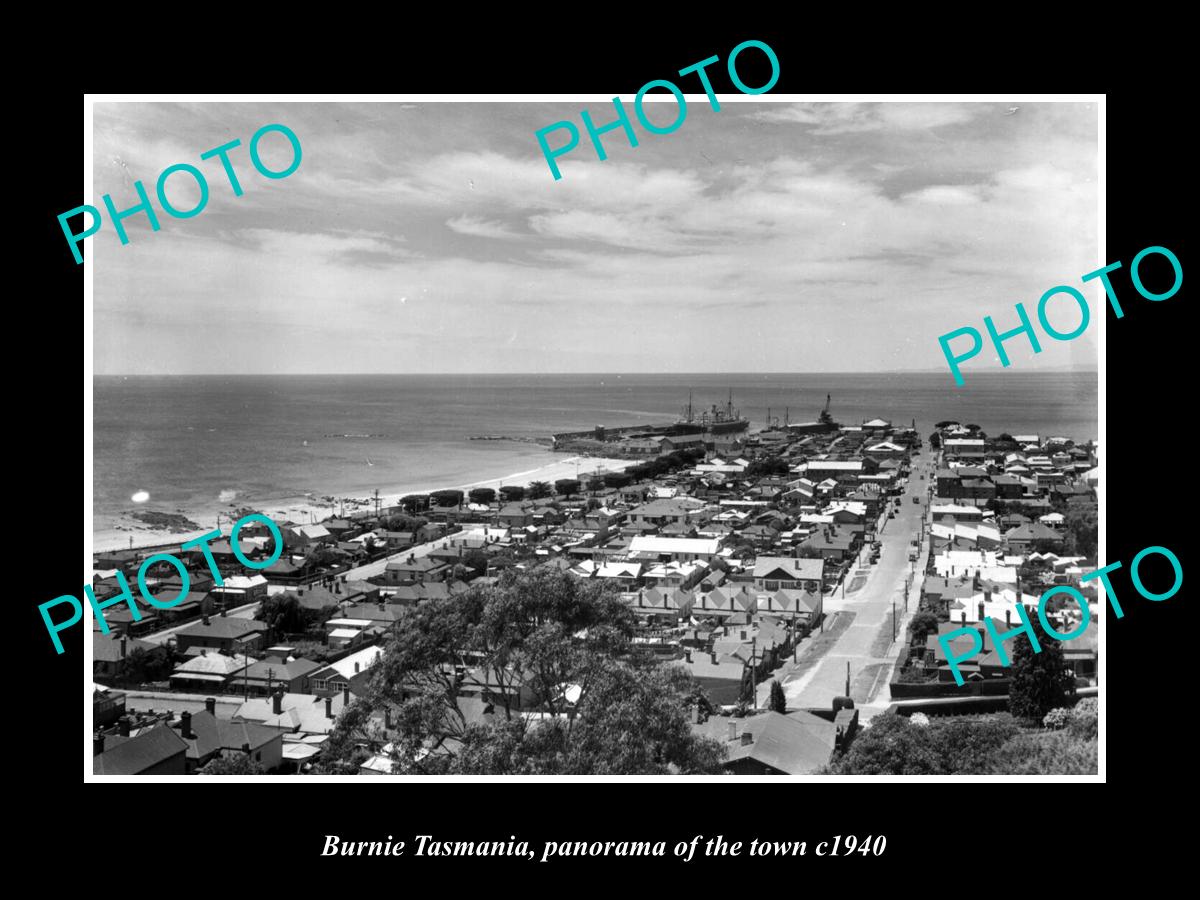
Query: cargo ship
[714, 420]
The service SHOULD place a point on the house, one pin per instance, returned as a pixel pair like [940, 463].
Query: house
[341, 633]
[336, 675]
[415, 571]
[296, 713]
[298, 536]
[209, 671]
[954, 512]
[208, 738]
[673, 442]
[772, 743]
[963, 448]
[772, 573]
[724, 679]
[153, 751]
[272, 672]
[239, 590]
[110, 650]
[222, 633]
[1028, 537]
[886, 450]
[678, 549]
[667, 512]
[107, 705]
[833, 542]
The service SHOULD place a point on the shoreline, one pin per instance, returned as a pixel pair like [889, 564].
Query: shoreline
[314, 509]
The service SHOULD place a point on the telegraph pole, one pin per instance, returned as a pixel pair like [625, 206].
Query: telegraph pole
[754, 671]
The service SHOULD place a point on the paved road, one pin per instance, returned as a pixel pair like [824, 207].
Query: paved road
[867, 642]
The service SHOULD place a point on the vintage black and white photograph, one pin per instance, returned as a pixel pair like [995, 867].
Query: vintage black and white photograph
[761, 447]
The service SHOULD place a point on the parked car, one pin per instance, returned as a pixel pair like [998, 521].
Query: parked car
[916, 499]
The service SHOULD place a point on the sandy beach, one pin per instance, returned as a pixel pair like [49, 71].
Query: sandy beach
[114, 536]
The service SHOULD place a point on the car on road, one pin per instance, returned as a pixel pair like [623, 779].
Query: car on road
[916, 499]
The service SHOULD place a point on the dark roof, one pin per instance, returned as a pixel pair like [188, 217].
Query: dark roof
[222, 627]
[139, 753]
[795, 744]
[277, 668]
[213, 734]
[107, 647]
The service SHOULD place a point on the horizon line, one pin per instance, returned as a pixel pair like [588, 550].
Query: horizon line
[1053, 371]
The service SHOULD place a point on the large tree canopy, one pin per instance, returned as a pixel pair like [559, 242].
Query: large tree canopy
[588, 703]
[1039, 680]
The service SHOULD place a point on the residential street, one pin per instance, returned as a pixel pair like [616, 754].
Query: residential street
[864, 620]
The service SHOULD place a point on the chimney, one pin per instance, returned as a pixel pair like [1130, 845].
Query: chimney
[329, 707]
[123, 642]
[695, 713]
[713, 654]
[980, 610]
[733, 731]
[346, 694]
[98, 743]
[747, 738]
[300, 591]
[356, 668]
[186, 729]
[387, 717]
[123, 725]
[223, 605]
[204, 619]
[210, 706]
[277, 702]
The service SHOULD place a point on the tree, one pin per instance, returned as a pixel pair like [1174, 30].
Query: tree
[935, 441]
[923, 624]
[482, 495]
[403, 523]
[566, 486]
[319, 556]
[778, 700]
[241, 764]
[282, 613]
[537, 490]
[414, 502]
[617, 480]
[892, 745]
[1052, 753]
[550, 637]
[477, 562]
[511, 493]
[1039, 680]
[595, 483]
[142, 667]
[1082, 531]
[446, 498]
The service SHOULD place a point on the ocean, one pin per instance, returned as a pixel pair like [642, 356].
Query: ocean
[200, 445]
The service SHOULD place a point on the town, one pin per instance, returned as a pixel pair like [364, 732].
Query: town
[798, 576]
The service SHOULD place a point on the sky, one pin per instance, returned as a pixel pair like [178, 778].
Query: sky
[420, 237]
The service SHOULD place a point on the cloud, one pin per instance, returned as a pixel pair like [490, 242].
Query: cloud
[849, 118]
[482, 228]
